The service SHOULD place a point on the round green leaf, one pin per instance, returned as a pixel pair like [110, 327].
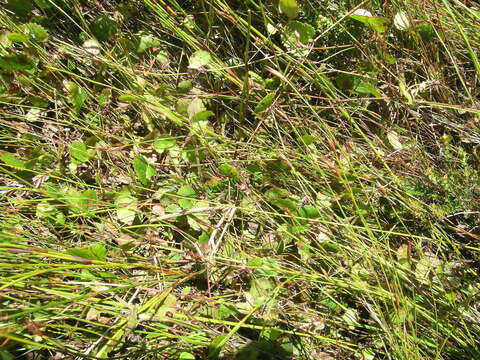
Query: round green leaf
[186, 356]
[126, 207]
[104, 28]
[199, 59]
[377, 23]
[79, 152]
[12, 160]
[17, 37]
[184, 86]
[93, 252]
[289, 8]
[187, 191]
[146, 42]
[143, 169]
[36, 32]
[20, 8]
[265, 103]
[229, 171]
[164, 142]
[16, 62]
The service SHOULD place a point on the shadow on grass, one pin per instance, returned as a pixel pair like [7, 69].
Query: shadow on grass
[262, 350]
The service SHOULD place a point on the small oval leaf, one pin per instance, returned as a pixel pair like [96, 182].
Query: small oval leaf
[199, 59]
[143, 169]
[289, 8]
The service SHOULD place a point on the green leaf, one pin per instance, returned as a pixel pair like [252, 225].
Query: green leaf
[80, 202]
[275, 194]
[299, 229]
[309, 211]
[98, 251]
[198, 114]
[199, 59]
[303, 32]
[184, 86]
[404, 90]
[286, 204]
[164, 142]
[427, 265]
[308, 139]
[203, 237]
[330, 247]
[376, 23]
[385, 56]
[296, 32]
[11, 63]
[126, 207]
[345, 81]
[186, 356]
[185, 204]
[229, 171]
[427, 31]
[365, 88]
[93, 252]
[45, 210]
[289, 8]
[202, 116]
[257, 78]
[200, 221]
[129, 98]
[216, 346]
[162, 58]
[12, 160]
[146, 42]
[6, 355]
[37, 102]
[104, 98]
[356, 84]
[351, 317]
[17, 37]
[173, 209]
[80, 153]
[187, 191]
[265, 103]
[403, 256]
[53, 191]
[200, 121]
[193, 154]
[104, 28]
[225, 311]
[168, 305]
[330, 304]
[261, 288]
[79, 96]
[20, 8]
[36, 32]
[143, 169]
[43, 4]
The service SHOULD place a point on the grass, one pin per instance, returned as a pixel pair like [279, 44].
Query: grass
[239, 179]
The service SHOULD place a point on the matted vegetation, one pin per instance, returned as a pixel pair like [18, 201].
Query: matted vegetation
[239, 179]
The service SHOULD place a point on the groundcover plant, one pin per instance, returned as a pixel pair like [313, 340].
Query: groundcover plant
[226, 179]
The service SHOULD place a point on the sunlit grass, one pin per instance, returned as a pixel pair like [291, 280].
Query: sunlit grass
[310, 191]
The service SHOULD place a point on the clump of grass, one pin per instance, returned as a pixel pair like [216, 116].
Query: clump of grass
[243, 180]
